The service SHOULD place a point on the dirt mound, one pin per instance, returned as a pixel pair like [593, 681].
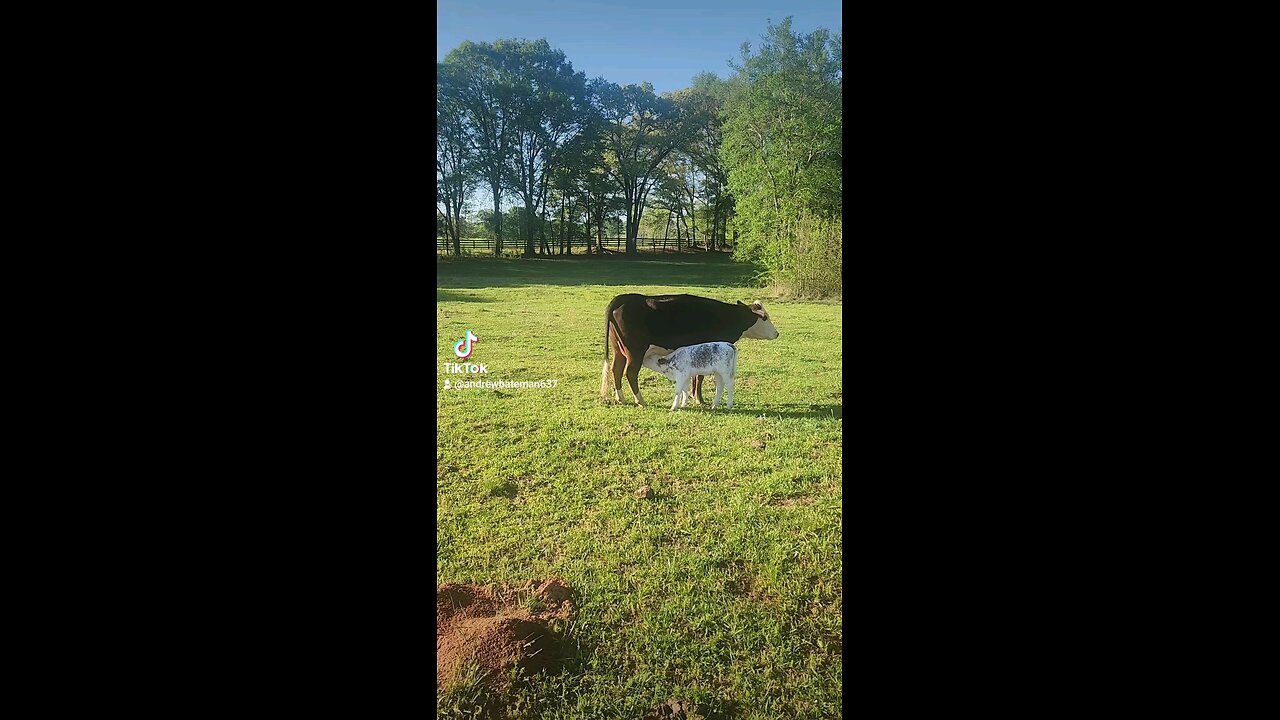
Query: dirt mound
[498, 629]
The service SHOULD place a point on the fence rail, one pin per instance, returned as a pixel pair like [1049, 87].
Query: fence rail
[515, 246]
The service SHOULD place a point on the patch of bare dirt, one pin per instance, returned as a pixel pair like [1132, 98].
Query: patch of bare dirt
[499, 629]
[676, 710]
[793, 501]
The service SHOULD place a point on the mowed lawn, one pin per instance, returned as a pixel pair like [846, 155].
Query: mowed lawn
[724, 589]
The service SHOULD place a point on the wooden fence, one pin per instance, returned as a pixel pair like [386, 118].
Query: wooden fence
[515, 246]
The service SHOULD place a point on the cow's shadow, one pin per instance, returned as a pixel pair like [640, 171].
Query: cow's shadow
[821, 412]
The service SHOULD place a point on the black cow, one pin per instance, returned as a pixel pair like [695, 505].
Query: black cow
[669, 322]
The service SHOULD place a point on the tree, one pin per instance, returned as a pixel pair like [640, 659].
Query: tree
[455, 157]
[482, 81]
[483, 219]
[549, 108]
[703, 104]
[582, 159]
[640, 130]
[601, 200]
[782, 139]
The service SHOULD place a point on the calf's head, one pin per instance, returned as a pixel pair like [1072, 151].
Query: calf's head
[651, 361]
[763, 328]
[662, 365]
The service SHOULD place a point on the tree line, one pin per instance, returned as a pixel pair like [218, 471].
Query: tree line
[758, 154]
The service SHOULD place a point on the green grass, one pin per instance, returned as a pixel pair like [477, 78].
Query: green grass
[725, 588]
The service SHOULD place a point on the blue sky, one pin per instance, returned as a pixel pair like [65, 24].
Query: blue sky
[666, 42]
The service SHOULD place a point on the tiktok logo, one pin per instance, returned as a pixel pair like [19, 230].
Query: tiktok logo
[458, 348]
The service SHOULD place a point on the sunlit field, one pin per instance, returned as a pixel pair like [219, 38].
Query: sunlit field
[723, 587]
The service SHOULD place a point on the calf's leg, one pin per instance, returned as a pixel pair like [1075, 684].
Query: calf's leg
[733, 377]
[681, 384]
[719, 389]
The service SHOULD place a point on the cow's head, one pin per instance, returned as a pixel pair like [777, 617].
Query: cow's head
[763, 328]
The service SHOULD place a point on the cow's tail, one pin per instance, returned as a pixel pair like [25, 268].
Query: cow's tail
[608, 321]
[605, 375]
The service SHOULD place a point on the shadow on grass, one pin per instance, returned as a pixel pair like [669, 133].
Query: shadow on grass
[820, 412]
[447, 296]
[708, 270]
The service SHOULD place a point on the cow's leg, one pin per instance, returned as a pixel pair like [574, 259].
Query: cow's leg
[635, 356]
[696, 389]
[719, 389]
[618, 363]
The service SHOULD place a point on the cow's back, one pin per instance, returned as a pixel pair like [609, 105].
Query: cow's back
[673, 321]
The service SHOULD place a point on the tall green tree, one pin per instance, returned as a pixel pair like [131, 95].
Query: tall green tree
[483, 81]
[550, 109]
[455, 158]
[583, 160]
[782, 138]
[703, 104]
[641, 130]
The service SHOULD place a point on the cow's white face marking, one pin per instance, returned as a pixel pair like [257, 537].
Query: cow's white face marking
[763, 329]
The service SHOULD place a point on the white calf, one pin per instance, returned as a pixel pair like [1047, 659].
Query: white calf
[716, 358]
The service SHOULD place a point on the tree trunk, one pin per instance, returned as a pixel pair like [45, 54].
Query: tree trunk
[497, 220]
[569, 247]
[586, 231]
[633, 217]
[542, 234]
[600, 228]
[457, 224]
[693, 213]
[527, 230]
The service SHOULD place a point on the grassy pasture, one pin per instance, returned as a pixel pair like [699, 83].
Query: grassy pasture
[725, 587]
